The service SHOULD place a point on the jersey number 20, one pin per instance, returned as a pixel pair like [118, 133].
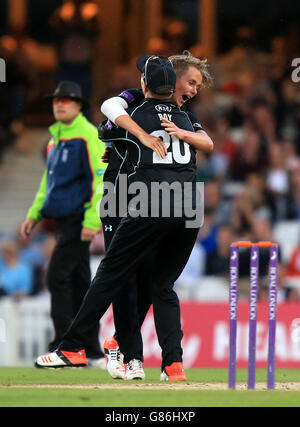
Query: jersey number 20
[174, 155]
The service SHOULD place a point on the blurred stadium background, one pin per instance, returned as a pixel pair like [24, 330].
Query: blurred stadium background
[252, 179]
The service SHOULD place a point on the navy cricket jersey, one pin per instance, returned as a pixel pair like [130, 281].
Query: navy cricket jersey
[109, 132]
[118, 162]
[179, 165]
[180, 161]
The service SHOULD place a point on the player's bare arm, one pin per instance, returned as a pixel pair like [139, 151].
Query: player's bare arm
[115, 110]
[156, 144]
[199, 140]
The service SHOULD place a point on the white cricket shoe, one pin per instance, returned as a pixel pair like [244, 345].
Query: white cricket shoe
[97, 363]
[134, 370]
[115, 358]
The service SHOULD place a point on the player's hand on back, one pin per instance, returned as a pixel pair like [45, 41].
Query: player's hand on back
[172, 129]
[156, 144]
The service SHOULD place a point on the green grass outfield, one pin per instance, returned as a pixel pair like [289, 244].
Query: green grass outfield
[31, 387]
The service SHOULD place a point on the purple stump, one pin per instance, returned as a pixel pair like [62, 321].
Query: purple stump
[254, 274]
[233, 309]
[273, 277]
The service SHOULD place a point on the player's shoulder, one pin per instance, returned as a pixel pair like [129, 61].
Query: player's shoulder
[132, 96]
[194, 119]
[160, 105]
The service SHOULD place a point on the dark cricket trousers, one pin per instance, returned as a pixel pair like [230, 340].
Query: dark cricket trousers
[68, 279]
[132, 303]
[167, 244]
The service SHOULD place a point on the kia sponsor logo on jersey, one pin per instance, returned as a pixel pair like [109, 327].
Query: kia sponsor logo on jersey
[161, 108]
